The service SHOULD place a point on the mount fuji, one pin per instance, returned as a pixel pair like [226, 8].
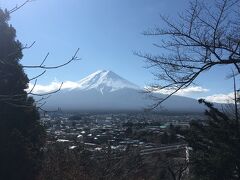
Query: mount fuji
[107, 91]
[104, 82]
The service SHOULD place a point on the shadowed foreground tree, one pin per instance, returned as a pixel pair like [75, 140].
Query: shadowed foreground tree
[21, 135]
[215, 146]
[205, 36]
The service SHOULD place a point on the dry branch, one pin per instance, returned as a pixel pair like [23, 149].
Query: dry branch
[202, 38]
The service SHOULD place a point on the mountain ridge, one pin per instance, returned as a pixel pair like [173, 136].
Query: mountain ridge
[105, 80]
[106, 91]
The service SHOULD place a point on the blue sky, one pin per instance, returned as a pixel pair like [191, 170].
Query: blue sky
[106, 31]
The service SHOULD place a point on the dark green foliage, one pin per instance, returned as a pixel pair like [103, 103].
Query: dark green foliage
[215, 146]
[21, 135]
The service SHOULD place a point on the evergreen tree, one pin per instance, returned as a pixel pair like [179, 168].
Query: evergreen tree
[21, 135]
[215, 146]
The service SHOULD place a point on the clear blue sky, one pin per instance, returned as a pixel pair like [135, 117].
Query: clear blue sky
[106, 31]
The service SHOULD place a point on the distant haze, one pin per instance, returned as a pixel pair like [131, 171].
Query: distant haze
[106, 91]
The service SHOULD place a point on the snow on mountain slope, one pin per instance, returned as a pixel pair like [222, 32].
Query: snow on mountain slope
[106, 91]
[103, 81]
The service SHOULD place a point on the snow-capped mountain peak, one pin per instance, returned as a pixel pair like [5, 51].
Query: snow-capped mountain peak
[106, 91]
[105, 81]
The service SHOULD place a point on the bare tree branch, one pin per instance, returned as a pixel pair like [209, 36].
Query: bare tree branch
[38, 75]
[17, 7]
[42, 66]
[195, 43]
[44, 94]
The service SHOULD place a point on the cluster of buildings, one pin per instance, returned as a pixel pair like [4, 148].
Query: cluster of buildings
[117, 131]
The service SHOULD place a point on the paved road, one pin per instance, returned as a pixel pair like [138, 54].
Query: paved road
[166, 148]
